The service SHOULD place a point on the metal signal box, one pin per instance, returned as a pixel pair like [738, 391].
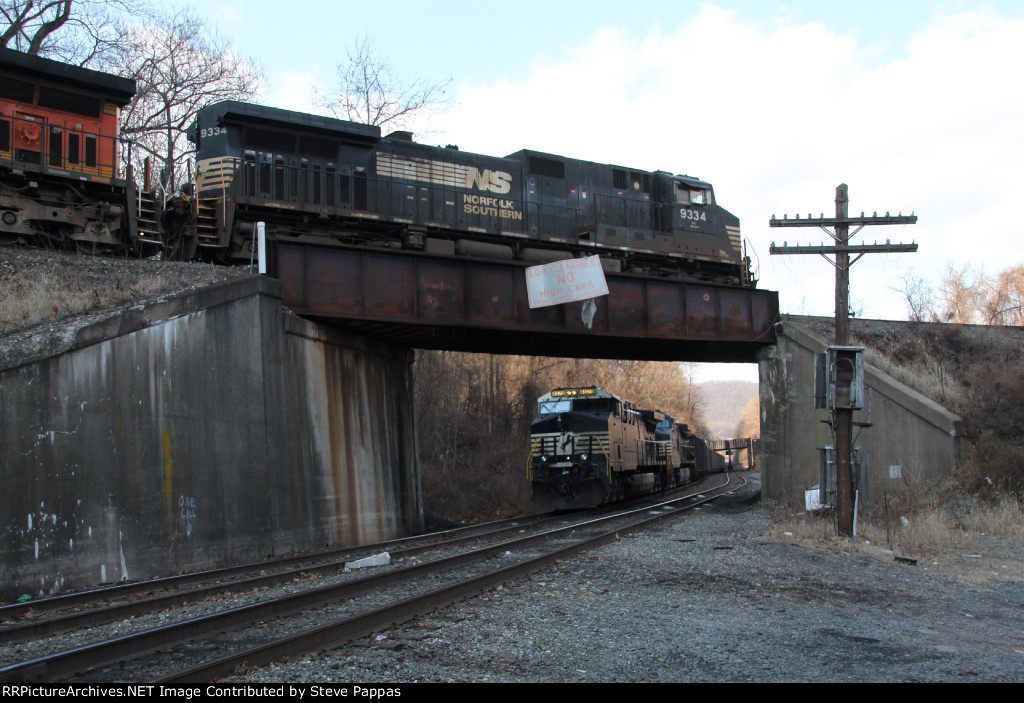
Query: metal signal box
[839, 378]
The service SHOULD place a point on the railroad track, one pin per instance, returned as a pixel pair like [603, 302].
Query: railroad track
[74, 611]
[315, 614]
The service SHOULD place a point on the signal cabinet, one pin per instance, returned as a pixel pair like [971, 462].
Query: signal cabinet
[839, 378]
[860, 472]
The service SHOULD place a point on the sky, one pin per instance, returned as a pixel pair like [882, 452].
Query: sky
[916, 105]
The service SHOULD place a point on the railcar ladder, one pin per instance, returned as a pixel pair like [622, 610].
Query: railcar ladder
[206, 222]
[148, 219]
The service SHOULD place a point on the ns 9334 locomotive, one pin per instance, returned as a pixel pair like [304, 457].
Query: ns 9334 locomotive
[331, 181]
[589, 446]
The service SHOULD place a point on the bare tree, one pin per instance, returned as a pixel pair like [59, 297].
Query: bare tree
[961, 293]
[918, 294]
[1004, 298]
[966, 295]
[369, 91]
[81, 32]
[179, 66]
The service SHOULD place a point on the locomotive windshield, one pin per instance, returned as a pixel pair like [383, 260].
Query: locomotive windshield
[579, 405]
[551, 407]
[592, 405]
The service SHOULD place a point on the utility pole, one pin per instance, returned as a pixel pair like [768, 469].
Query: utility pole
[842, 417]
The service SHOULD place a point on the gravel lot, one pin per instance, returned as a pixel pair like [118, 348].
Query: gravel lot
[709, 597]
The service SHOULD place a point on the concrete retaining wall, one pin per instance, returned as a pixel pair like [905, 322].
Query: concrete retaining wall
[913, 443]
[209, 429]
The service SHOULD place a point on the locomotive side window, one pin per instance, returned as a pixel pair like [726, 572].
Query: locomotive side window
[688, 195]
[5, 135]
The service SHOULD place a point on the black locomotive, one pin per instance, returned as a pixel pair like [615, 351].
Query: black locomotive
[589, 446]
[332, 181]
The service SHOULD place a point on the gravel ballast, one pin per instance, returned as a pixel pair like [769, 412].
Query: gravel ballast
[706, 597]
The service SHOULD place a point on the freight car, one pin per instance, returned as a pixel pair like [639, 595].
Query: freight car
[325, 180]
[61, 184]
[589, 446]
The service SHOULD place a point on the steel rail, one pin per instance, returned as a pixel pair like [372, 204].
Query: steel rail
[311, 563]
[69, 663]
[339, 632]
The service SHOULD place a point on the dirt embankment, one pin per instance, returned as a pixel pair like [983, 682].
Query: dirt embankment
[48, 295]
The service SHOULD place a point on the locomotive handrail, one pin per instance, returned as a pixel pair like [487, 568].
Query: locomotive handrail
[529, 460]
[607, 460]
[93, 154]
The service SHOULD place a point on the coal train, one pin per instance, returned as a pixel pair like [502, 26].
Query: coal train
[589, 446]
[329, 181]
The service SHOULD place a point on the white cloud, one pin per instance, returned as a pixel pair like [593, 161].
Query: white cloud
[777, 115]
[295, 90]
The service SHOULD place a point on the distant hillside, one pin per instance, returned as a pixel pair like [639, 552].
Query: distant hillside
[723, 403]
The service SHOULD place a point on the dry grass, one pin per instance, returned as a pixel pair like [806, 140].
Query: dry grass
[928, 376]
[31, 298]
[47, 286]
[966, 538]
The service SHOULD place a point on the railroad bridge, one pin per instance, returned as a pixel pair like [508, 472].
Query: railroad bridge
[460, 304]
[218, 427]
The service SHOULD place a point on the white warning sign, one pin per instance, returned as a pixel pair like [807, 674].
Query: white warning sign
[565, 281]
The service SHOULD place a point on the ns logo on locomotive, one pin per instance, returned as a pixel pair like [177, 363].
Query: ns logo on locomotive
[334, 182]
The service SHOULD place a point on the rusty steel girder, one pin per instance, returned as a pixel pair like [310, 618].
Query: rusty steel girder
[437, 302]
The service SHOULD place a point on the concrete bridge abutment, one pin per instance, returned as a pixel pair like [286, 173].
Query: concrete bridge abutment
[909, 443]
[210, 428]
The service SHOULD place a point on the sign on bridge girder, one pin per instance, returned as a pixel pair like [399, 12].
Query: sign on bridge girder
[565, 281]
